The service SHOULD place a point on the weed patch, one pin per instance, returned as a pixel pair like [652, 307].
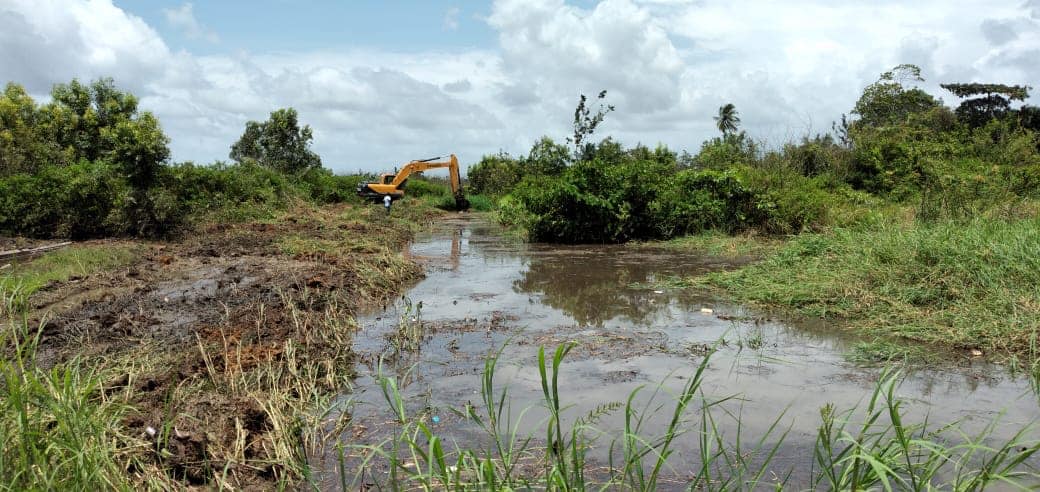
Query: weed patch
[966, 285]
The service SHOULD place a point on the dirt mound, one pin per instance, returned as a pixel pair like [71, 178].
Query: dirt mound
[211, 327]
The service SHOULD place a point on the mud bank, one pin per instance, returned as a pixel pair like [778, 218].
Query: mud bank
[224, 342]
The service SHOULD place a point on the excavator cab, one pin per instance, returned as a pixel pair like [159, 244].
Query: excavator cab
[393, 184]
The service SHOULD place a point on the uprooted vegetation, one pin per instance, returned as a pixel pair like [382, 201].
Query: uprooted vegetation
[206, 361]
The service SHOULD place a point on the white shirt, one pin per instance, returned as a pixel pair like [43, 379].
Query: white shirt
[386, 201]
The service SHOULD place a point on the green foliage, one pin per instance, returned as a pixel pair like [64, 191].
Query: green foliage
[585, 123]
[693, 201]
[785, 201]
[200, 189]
[959, 283]
[730, 150]
[546, 158]
[593, 202]
[480, 203]
[57, 428]
[1029, 117]
[86, 199]
[894, 160]
[498, 174]
[278, 143]
[494, 174]
[82, 122]
[324, 186]
[25, 143]
[818, 155]
[418, 186]
[95, 199]
[887, 102]
[727, 119]
[985, 102]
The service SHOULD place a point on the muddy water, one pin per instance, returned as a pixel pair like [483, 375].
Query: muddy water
[483, 291]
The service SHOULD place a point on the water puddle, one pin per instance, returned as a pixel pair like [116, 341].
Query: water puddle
[483, 291]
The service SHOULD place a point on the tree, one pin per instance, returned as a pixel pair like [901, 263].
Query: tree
[887, 102]
[24, 143]
[547, 158]
[985, 101]
[139, 146]
[727, 120]
[80, 113]
[1029, 117]
[585, 123]
[278, 143]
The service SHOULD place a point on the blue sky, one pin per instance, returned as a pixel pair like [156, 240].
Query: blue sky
[282, 25]
[381, 83]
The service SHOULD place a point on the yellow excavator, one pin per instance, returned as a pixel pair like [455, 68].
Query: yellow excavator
[393, 184]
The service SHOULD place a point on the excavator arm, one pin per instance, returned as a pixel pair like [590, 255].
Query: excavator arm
[394, 184]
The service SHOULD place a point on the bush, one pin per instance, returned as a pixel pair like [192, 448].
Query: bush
[593, 202]
[94, 199]
[786, 201]
[694, 201]
[204, 188]
[323, 186]
[725, 152]
[86, 199]
[494, 175]
[480, 203]
[420, 187]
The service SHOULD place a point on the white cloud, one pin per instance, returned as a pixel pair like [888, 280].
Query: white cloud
[183, 18]
[667, 65]
[451, 19]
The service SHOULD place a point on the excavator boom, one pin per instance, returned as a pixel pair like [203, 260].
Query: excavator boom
[394, 184]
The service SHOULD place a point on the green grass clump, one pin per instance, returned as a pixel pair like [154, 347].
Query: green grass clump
[480, 203]
[23, 279]
[58, 430]
[719, 244]
[881, 351]
[970, 284]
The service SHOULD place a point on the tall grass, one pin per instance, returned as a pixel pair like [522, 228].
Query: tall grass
[871, 448]
[58, 428]
[963, 284]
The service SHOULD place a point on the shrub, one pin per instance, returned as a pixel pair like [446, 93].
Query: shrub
[323, 186]
[786, 201]
[203, 188]
[721, 153]
[593, 202]
[494, 175]
[694, 201]
[420, 187]
[86, 199]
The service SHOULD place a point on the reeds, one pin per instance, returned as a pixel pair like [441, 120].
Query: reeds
[870, 448]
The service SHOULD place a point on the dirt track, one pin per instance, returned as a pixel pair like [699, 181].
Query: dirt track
[207, 312]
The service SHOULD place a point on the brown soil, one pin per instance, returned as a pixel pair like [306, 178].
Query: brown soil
[216, 301]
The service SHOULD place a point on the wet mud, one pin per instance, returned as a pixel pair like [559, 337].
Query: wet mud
[222, 301]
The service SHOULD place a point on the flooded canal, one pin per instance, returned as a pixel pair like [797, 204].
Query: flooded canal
[483, 291]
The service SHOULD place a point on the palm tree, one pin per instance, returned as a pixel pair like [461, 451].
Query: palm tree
[727, 120]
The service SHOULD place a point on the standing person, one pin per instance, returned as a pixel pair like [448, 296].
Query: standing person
[386, 203]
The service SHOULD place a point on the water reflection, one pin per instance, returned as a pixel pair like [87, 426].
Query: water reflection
[594, 285]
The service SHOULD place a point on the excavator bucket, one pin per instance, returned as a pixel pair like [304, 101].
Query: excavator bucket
[461, 203]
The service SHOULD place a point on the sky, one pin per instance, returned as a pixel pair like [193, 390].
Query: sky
[382, 83]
